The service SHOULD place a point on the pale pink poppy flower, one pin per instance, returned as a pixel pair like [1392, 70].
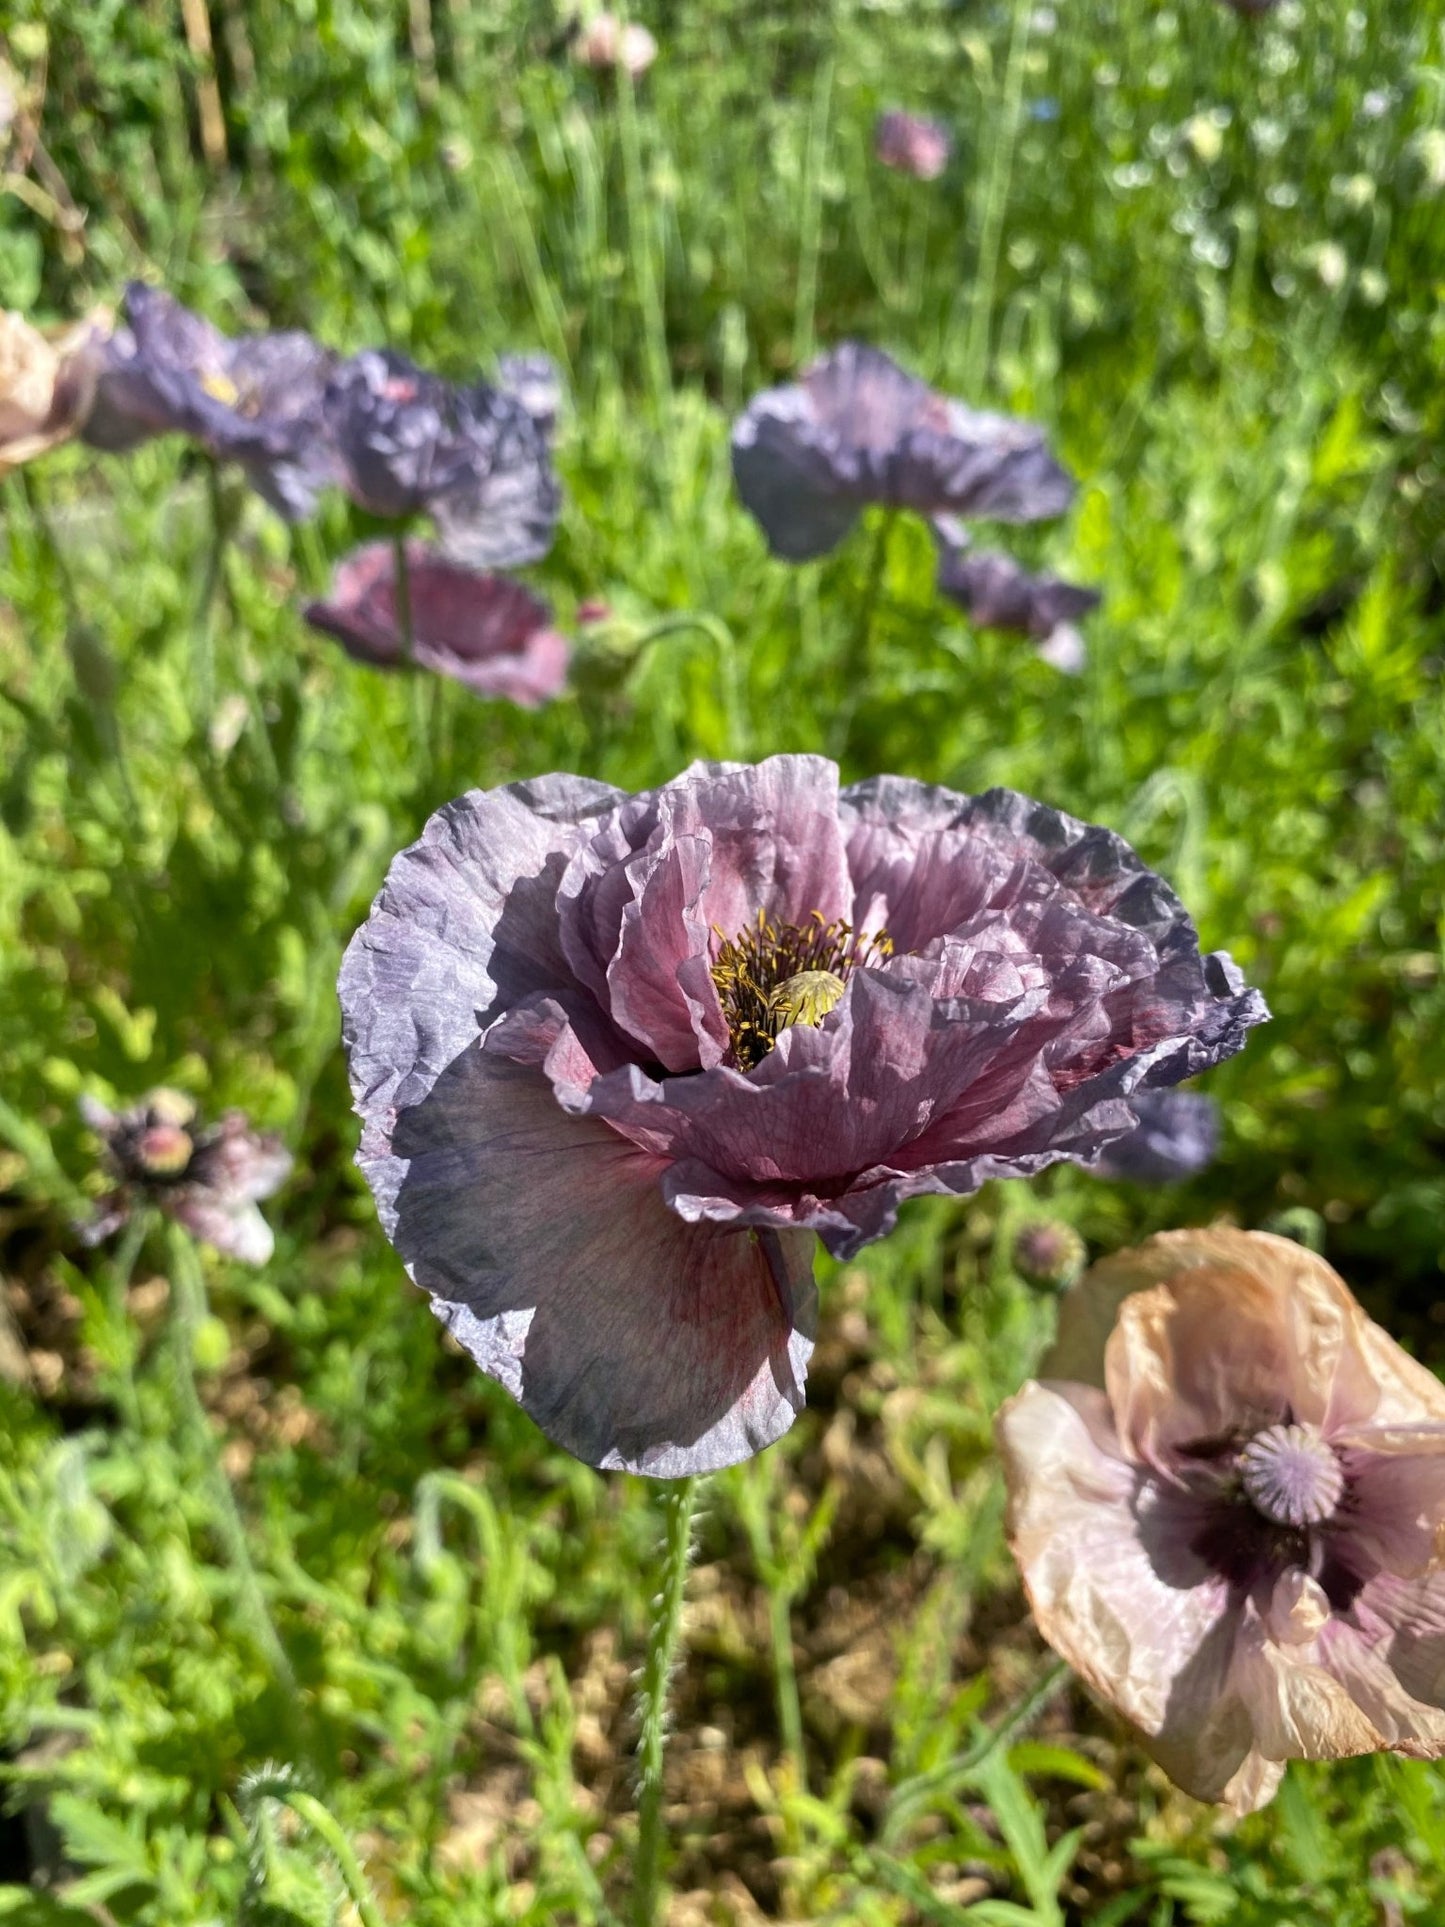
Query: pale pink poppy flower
[1227, 1500]
[912, 144]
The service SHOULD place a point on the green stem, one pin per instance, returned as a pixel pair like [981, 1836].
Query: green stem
[811, 235]
[679, 1510]
[722, 638]
[203, 659]
[785, 1672]
[858, 660]
[914, 1793]
[306, 1807]
[121, 1270]
[990, 240]
[188, 1309]
[401, 570]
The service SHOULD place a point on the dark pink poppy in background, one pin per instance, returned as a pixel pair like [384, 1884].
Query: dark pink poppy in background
[912, 144]
[207, 1177]
[482, 630]
[618, 1056]
[858, 429]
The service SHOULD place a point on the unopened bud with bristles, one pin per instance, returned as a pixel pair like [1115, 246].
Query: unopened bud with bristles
[1049, 1253]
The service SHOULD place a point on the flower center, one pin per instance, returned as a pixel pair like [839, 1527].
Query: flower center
[773, 975]
[1292, 1475]
[165, 1150]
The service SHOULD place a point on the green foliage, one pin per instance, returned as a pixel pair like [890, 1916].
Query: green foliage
[1208, 254]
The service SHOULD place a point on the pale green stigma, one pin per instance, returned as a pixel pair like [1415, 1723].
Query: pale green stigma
[806, 998]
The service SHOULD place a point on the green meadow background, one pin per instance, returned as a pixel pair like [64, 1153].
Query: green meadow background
[392, 1679]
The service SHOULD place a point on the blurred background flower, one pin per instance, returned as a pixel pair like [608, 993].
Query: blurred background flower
[208, 1178]
[857, 429]
[255, 400]
[912, 144]
[484, 631]
[47, 384]
[473, 458]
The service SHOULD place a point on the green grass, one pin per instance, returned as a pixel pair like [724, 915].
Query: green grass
[1210, 257]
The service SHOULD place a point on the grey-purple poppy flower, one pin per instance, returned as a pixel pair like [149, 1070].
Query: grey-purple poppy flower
[996, 592]
[471, 457]
[255, 400]
[208, 1178]
[1227, 1499]
[618, 1056]
[1177, 1136]
[858, 429]
[912, 144]
[482, 630]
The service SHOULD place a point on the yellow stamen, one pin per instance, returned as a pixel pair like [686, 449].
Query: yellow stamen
[806, 998]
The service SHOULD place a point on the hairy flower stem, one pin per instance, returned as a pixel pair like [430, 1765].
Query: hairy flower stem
[858, 662]
[679, 1511]
[203, 660]
[402, 571]
[275, 1785]
[121, 1268]
[188, 1309]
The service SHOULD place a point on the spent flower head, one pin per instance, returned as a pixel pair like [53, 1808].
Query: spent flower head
[858, 429]
[473, 458]
[619, 1056]
[47, 384]
[207, 1177]
[481, 630]
[255, 399]
[996, 592]
[1227, 1499]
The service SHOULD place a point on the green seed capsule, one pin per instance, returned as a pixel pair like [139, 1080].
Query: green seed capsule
[806, 998]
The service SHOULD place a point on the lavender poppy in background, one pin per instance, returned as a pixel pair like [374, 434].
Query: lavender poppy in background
[1227, 1498]
[471, 457]
[996, 592]
[1177, 1137]
[208, 1178]
[255, 400]
[619, 1056]
[481, 630]
[857, 429]
[912, 144]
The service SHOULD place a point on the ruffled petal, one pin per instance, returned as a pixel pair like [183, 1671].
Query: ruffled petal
[464, 927]
[635, 1341]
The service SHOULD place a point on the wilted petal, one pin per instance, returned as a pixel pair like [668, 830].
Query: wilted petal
[482, 630]
[635, 1341]
[858, 429]
[235, 1229]
[998, 593]
[47, 385]
[1177, 1135]
[1154, 1640]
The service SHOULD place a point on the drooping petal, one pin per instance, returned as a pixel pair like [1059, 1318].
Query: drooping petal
[1135, 1612]
[234, 1228]
[484, 631]
[636, 1341]
[996, 592]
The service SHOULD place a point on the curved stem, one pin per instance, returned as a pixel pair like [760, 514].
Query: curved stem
[401, 575]
[739, 734]
[278, 1786]
[188, 1309]
[990, 240]
[679, 1510]
[858, 661]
